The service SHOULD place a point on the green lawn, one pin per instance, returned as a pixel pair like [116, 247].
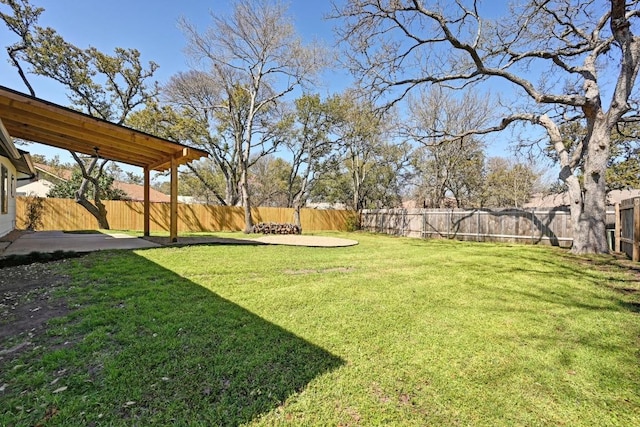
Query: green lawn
[393, 331]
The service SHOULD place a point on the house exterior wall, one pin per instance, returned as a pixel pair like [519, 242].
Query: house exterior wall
[8, 219]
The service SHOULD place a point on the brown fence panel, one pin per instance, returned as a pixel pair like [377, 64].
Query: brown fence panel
[66, 214]
[629, 212]
[504, 225]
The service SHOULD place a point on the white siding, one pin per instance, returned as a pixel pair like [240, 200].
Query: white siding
[8, 220]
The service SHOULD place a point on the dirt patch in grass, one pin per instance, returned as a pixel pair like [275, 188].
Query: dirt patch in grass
[324, 270]
[27, 303]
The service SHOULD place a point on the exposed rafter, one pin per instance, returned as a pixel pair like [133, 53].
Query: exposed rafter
[37, 120]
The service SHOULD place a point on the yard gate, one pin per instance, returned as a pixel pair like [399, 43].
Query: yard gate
[628, 228]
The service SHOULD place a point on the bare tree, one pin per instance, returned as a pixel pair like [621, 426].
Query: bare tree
[200, 97]
[447, 167]
[368, 165]
[255, 59]
[584, 56]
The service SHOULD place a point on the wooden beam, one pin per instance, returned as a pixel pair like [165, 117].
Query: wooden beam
[65, 136]
[161, 164]
[35, 109]
[183, 156]
[173, 229]
[34, 119]
[147, 205]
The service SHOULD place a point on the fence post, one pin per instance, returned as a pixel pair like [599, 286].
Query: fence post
[617, 233]
[636, 229]
[533, 226]
[477, 226]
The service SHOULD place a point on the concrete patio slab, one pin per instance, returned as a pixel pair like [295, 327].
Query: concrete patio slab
[52, 241]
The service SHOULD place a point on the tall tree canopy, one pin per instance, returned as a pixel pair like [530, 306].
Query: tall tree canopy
[561, 59]
[252, 59]
[107, 86]
[447, 167]
[310, 146]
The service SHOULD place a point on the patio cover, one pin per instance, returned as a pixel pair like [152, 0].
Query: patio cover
[34, 119]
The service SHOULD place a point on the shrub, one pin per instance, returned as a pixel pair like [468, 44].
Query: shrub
[35, 208]
[353, 222]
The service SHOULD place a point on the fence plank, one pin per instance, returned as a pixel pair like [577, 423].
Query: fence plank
[66, 214]
[617, 233]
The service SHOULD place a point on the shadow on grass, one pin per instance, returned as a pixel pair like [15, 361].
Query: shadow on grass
[201, 240]
[602, 273]
[150, 346]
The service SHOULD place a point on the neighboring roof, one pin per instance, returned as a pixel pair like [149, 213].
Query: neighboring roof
[34, 119]
[547, 200]
[58, 173]
[136, 192]
[562, 199]
[617, 196]
[38, 188]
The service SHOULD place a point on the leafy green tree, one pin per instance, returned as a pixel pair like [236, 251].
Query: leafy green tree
[107, 86]
[310, 144]
[69, 189]
[269, 180]
[508, 183]
[368, 169]
[218, 183]
[374, 166]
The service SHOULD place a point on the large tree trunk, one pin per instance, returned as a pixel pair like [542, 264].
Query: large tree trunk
[297, 204]
[589, 212]
[98, 211]
[246, 202]
[296, 217]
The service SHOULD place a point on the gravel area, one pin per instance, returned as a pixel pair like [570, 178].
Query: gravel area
[299, 240]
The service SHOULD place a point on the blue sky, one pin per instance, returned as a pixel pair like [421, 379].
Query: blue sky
[149, 26]
[152, 28]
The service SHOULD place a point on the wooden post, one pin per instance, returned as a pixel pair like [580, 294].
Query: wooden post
[617, 233]
[636, 229]
[533, 226]
[147, 205]
[173, 228]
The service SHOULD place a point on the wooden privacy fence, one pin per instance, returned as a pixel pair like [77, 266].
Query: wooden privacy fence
[628, 228]
[551, 226]
[66, 214]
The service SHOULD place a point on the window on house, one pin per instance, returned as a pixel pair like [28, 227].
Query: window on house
[4, 190]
